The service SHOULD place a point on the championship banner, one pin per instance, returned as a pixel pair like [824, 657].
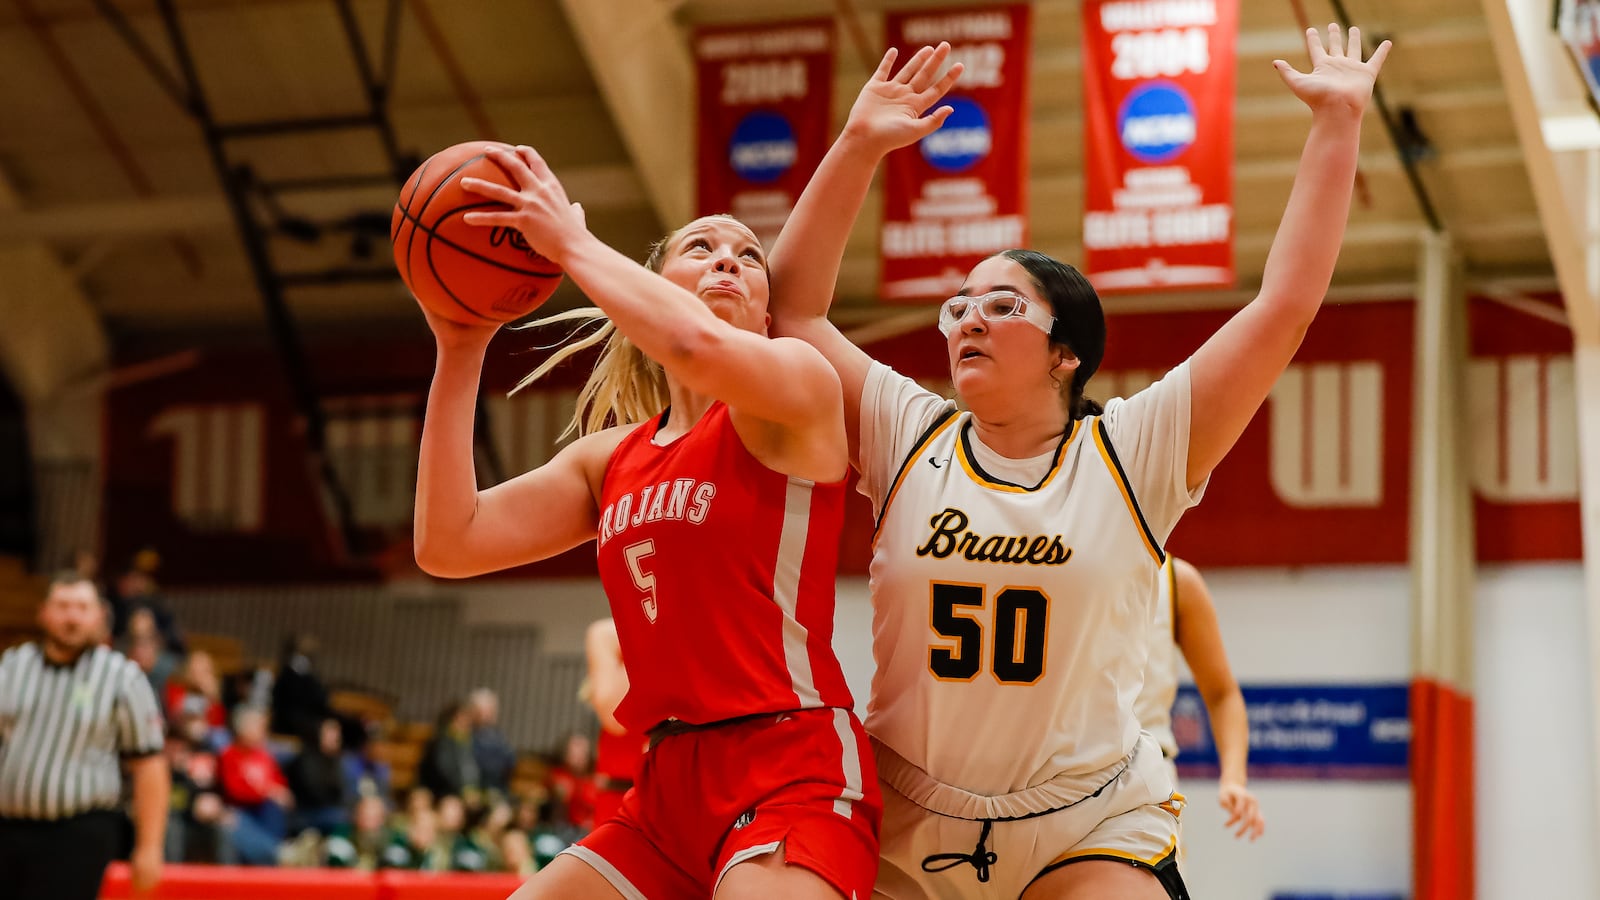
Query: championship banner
[1158, 132]
[764, 94]
[960, 194]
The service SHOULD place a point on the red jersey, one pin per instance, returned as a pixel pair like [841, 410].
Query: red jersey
[720, 572]
[249, 775]
[618, 756]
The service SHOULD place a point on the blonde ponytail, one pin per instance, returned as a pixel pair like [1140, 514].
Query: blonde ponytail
[625, 388]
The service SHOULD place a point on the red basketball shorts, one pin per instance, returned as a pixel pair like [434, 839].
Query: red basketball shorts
[709, 799]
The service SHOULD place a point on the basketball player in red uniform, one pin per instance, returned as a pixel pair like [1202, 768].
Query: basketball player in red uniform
[618, 753]
[716, 501]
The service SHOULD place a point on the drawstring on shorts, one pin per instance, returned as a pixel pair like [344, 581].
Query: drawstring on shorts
[980, 858]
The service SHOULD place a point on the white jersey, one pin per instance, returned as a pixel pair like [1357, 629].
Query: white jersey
[1154, 706]
[1013, 599]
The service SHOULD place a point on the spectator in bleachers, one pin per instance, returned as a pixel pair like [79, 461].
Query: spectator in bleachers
[136, 589]
[490, 749]
[537, 818]
[154, 660]
[255, 789]
[299, 698]
[572, 786]
[454, 842]
[316, 779]
[516, 853]
[361, 844]
[366, 770]
[418, 800]
[196, 691]
[417, 846]
[448, 767]
[197, 825]
[488, 828]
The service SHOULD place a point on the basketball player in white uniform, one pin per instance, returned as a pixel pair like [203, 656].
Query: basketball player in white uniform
[1019, 542]
[1186, 621]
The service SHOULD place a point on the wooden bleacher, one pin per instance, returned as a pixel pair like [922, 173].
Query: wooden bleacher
[227, 653]
[402, 748]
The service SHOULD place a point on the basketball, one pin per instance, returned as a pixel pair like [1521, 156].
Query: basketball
[466, 273]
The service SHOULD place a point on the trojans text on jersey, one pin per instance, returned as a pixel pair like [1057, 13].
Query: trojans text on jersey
[950, 535]
[683, 499]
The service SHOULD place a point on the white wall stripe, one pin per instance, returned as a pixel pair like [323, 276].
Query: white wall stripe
[786, 589]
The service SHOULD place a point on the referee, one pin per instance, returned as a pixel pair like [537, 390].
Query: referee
[69, 708]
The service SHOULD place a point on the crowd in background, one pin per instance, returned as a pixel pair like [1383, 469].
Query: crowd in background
[265, 771]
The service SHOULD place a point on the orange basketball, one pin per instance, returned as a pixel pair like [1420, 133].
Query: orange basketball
[465, 273]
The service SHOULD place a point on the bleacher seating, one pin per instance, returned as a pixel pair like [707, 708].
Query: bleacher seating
[227, 653]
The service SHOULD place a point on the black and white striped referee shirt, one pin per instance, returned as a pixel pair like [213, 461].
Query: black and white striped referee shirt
[65, 729]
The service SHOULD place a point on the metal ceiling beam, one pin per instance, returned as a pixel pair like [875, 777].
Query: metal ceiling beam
[646, 75]
[598, 188]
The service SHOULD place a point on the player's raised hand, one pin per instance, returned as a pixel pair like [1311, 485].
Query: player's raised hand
[1339, 79]
[539, 207]
[889, 111]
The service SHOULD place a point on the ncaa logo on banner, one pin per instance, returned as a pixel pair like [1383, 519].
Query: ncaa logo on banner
[763, 147]
[1157, 122]
[964, 139]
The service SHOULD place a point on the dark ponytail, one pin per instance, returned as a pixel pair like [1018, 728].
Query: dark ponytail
[1080, 320]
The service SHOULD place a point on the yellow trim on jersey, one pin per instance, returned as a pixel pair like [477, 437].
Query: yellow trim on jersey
[1127, 497]
[1171, 570]
[905, 469]
[975, 472]
[1174, 805]
[1069, 856]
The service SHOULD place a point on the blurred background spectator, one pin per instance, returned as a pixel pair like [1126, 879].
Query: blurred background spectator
[572, 783]
[490, 749]
[255, 789]
[449, 768]
[316, 779]
[196, 692]
[136, 589]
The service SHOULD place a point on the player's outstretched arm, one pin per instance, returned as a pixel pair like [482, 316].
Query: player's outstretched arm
[460, 531]
[1200, 640]
[888, 114]
[784, 382]
[1233, 371]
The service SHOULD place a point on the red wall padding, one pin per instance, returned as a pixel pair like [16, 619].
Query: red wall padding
[241, 883]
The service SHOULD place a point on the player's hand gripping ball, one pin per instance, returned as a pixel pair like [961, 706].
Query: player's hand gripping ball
[467, 274]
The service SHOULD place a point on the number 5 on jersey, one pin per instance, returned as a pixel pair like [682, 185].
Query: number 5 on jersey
[1021, 617]
[636, 554]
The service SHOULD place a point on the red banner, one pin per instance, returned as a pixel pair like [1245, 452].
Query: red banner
[765, 93]
[213, 469]
[1158, 134]
[1523, 403]
[960, 194]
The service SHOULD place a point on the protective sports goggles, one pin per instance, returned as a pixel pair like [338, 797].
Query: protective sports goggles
[992, 307]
